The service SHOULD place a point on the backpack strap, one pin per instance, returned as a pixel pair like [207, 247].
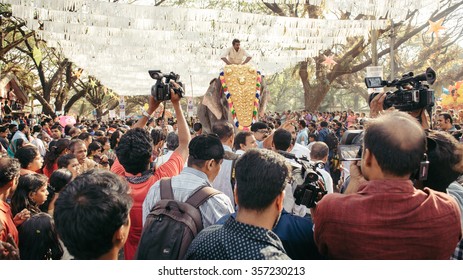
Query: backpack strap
[201, 195]
[166, 188]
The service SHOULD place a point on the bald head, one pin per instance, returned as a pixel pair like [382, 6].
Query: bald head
[319, 151]
[397, 141]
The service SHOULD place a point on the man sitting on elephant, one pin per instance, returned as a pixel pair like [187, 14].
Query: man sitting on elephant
[235, 54]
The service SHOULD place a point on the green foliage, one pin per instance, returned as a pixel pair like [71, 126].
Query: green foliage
[286, 92]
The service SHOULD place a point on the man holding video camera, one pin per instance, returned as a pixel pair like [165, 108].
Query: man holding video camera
[383, 216]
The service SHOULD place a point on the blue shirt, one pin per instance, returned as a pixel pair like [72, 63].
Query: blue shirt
[296, 234]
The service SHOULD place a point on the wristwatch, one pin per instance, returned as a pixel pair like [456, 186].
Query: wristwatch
[144, 113]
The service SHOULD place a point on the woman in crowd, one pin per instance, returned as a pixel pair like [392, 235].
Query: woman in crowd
[38, 239]
[29, 158]
[57, 149]
[69, 162]
[30, 193]
[58, 180]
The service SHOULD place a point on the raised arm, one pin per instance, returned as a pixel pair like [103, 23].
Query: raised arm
[153, 105]
[184, 136]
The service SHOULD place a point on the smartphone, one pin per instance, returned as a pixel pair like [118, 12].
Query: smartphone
[350, 152]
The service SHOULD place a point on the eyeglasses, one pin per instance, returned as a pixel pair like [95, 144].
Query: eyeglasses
[263, 131]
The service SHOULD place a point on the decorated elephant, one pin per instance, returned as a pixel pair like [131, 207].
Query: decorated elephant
[239, 96]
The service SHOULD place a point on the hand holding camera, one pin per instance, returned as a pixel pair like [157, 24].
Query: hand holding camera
[165, 86]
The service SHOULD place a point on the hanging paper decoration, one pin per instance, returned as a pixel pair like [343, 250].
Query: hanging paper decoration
[37, 55]
[329, 61]
[101, 36]
[445, 91]
[78, 73]
[435, 27]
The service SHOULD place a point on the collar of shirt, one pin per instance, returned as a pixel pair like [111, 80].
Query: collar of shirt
[389, 186]
[227, 149]
[195, 172]
[252, 232]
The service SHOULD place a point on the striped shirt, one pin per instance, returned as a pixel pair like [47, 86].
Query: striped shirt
[183, 186]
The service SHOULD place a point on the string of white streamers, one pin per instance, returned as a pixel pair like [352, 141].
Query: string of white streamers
[118, 42]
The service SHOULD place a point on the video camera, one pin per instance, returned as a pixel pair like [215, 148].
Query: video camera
[309, 192]
[351, 145]
[410, 95]
[161, 90]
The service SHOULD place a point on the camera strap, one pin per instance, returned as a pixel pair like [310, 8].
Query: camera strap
[424, 167]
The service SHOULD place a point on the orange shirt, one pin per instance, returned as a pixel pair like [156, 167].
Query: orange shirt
[6, 218]
[138, 192]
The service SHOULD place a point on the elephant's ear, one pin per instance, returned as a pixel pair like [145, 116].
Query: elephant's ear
[211, 100]
[264, 97]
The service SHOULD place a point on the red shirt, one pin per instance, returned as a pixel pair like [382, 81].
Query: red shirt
[6, 218]
[138, 191]
[387, 219]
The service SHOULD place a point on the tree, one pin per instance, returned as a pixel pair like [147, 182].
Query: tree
[317, 78]
[100, 97]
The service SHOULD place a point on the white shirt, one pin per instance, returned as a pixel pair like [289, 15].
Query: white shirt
[223, 180]
[235, 57]
[300, 150]
[40, 146]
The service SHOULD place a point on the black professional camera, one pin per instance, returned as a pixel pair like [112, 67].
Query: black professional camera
[309, 192]
[161, 90]
[410, 95]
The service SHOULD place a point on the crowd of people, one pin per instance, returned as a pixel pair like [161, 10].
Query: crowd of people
[95, 190]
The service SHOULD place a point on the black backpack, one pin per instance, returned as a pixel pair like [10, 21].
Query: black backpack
[172, 225]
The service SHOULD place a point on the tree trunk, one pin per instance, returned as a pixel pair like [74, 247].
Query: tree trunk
[313, 93]
[99, 113]
[74, 99]
[46, 107]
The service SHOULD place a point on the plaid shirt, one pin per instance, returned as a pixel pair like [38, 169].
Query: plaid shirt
[458, 254]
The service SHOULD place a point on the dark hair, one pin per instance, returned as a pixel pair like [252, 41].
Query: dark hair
[90, 210]
[22, 126]
[67, 128]
[282, 139]
[64, 160]
[26, 155]
[235, 41]
[157, 135]
[27, 184]
[172, 141]
[223, 129]
[319, 150]
[94, 146]
[37, 128]
[240, 138]
[11, 126]
[56, 148]
[445, 155]
[84, 136]
[38, 239]
[9, 168]
[205, 147]
[258, 125]
[59, 178]
[134, 150]
[57, 126]
[114, 137]
[197, 126]
[261, 176]
[324, 124]
[447, 117]
[303, 123]
[395, 154]
[3, 128]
